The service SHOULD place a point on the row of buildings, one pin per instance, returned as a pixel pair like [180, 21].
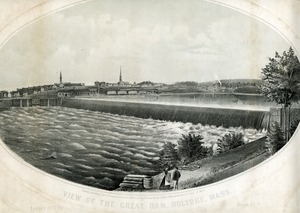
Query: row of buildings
[61, 89]
[68, 89]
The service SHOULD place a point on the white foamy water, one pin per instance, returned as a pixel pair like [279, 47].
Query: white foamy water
[94, 148]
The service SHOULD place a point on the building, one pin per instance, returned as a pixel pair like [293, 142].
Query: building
[67, 84]
[62, 84]
[66, 93]
[26, 91]
[4, 94]
[122, 83]
[15, 94]
[70, 92]
[102, 85]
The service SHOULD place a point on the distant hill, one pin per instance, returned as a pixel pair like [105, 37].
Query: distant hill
[250, 86]
[227, 82]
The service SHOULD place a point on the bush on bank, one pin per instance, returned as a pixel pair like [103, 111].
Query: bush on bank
[190, 148]
[230, 141]
[168, 156]
[275, 139]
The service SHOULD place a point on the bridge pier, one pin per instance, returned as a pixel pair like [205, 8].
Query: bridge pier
[48, 102]
[27, 102]
[21, 103]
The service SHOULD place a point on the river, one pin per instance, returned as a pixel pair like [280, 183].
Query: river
[94, 148]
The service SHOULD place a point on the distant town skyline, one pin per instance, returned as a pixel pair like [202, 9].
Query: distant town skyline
[159, 41]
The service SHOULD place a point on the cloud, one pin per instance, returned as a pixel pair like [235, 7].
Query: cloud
[90, 48]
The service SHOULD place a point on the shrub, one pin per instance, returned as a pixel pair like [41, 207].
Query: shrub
[294, 126]
[190, 148]
[275, 139]
[230, 141]
[209, 151]
[168, 156]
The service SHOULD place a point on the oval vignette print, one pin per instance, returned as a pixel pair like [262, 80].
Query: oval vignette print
[147, 95]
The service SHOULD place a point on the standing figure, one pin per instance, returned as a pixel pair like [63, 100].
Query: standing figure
[166, 181]
[175, 177]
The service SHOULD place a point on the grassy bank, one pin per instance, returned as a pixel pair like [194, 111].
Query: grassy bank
[221, 166]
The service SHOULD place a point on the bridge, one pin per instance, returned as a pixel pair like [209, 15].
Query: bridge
[129, 90]
[30, 102]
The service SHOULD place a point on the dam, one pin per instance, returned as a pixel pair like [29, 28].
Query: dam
[226, 117]
[206, 116]
[208, 109]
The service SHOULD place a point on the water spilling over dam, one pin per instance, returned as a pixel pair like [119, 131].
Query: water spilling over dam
[225, 117]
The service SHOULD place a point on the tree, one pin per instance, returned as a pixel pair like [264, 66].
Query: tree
[168, 156]
[190, 147]
[281, 84]
[275, 139]
[230, 141]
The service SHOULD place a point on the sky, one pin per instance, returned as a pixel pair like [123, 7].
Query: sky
[159, 40]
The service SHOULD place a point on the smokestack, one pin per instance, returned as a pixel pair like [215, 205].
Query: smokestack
[216, 77]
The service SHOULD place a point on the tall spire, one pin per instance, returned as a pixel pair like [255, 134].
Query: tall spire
[60, 78]
[120, 78]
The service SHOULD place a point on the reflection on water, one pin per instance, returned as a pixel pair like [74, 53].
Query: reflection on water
[94, 148]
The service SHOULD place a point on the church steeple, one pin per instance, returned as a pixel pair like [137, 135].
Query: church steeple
[120, 78]
[60, 77]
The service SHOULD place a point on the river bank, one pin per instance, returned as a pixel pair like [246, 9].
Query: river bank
[219, 167]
